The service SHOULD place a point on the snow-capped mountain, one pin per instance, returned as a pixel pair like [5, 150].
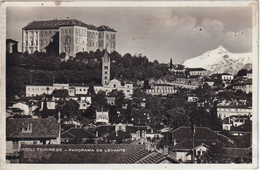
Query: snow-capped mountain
[220, 61]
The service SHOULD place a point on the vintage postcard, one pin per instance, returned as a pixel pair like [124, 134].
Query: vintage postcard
[129, 84]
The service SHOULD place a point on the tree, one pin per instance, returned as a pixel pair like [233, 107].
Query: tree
[70, 110]
[171, 63]
[176, 117]
[45, 109]
[60, 93]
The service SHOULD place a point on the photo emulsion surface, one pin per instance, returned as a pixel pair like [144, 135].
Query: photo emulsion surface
[130, 85]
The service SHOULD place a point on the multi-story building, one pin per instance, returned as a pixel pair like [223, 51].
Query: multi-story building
[69, 36]
[224, 111]
[196, 71]
[162, 89]
[37, 131]
[34, 90]
[245, 86]
[11, 46]
[227, 77]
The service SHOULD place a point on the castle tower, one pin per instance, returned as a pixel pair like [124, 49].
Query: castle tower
[105, 68]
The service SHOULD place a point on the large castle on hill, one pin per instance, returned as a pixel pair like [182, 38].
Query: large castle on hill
[69, 36]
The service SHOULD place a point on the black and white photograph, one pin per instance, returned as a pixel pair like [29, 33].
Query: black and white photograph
[169, 83]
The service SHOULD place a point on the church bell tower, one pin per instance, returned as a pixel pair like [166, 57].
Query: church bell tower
[105, 68]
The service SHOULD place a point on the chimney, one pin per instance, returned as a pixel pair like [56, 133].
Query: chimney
[59, 135]
[165, 150]
[30, 111]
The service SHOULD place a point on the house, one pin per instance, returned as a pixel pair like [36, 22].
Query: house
[78, 90]
[196, 71]
[235, 121]
[201, 134]
[36, 131]
[162, 89]
[72, 36]
[204, 138]
[26, 107]
[35, 90]
[193, 99]
[249, 74]
[77, 135]
[183, 151]
[245, 86]
[224, 111]
[102, 117]
[111, 100]
[11, 46]
[194, 80]
[226, 77]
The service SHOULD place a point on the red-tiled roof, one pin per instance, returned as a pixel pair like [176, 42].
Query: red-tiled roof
[56, 24]
[41, 128]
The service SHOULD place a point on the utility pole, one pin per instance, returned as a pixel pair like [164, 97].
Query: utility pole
[193, 143]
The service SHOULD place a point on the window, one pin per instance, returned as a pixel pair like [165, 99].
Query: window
[67, 40]
[27, 127]
[105, 67]
[105, 77]
[105, 72]
[114, 85]
[15, 144]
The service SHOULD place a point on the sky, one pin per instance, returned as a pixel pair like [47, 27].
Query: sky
[159, 33]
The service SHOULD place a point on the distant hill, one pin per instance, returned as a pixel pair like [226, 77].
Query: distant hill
[220, 60]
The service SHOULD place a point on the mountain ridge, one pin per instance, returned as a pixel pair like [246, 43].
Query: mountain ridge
[219, 60]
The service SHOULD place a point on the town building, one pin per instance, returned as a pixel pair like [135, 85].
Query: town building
[196, 71]
[11, 46]
[110, 85]
[69, 36]
[204, 140]
[77, 135]
[194, 80]
[37, 131]
[102, 117]
[245, 86]
[37, 90]
[249, 74]
[234, 121]
[162, 89]
[225, 111]
[226, 77]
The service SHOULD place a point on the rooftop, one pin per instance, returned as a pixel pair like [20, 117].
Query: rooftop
[56, 24]
[41, 128]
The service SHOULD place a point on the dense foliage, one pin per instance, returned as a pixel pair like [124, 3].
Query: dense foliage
[46, 68]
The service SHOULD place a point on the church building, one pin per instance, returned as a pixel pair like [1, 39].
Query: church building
[110, 85]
